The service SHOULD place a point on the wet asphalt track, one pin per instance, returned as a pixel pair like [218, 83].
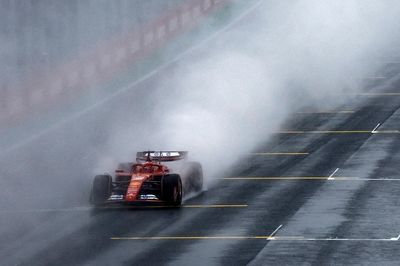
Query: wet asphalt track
[324, 191]
[277, 206]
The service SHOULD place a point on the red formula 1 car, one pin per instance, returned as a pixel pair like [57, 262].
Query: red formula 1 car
[149, 180]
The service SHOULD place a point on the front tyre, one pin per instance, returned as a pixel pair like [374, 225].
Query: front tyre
[101, 189]
[172, 189]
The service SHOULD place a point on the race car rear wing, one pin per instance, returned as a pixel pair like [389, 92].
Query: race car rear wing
[163, 156]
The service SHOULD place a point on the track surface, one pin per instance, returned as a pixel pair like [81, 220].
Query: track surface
[323, 192]
[345, 220]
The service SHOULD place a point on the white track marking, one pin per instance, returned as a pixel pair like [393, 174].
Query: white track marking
[274, 232]
[300, 238]
[374, 130]
[376, 179]
[334, 172]
[136, 82]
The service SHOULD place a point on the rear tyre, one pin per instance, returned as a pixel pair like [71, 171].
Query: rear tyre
[195, 176]
[101, 189]
[172, 189]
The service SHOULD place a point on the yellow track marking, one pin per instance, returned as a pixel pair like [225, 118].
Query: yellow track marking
[216, 206]
[271, 238]
[192, 238]
[182, 206]
[339, 132]
[326, 112]
[280, 153]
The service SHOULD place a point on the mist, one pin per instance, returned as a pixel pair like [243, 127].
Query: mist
[232, 93]
[218, 101]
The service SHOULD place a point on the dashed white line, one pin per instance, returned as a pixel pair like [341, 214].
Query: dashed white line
[375, 128]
